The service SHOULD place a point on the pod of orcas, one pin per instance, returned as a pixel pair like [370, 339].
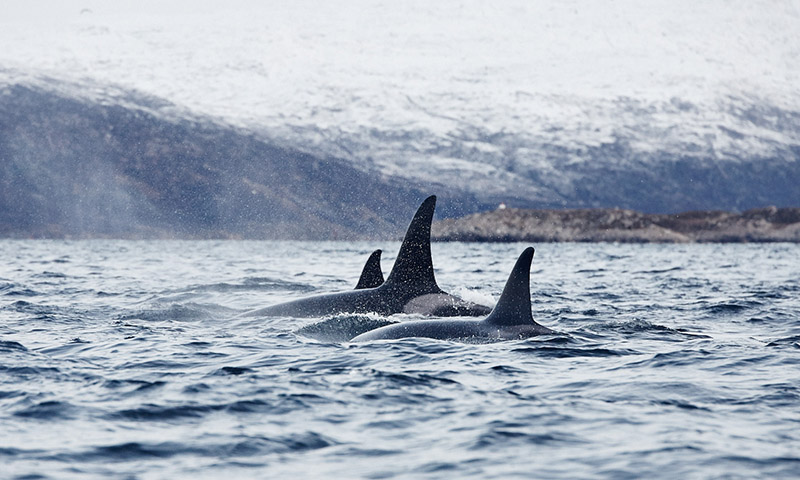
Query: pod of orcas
[411, 288]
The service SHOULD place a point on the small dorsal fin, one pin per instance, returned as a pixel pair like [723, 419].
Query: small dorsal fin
[371, 274]
[413, 268]
[514, 306]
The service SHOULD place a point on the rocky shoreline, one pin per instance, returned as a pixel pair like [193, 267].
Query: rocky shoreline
[768, 224]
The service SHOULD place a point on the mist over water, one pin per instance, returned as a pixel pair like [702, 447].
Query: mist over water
[125, 359]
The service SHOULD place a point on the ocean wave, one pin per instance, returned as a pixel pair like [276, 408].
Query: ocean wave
[792, 341]
[11, 346]
[546, 351]
[645, 329]
[48, 410]
[731, 308]
[239, 446]
[507, 437]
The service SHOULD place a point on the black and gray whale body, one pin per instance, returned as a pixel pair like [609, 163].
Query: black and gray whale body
[511, 318]
[410, 287]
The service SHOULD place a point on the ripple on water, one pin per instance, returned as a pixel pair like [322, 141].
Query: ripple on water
[18, 291]
[27, 373]
[48, 410]
[132, 387]
[7, 346]
[233, 371]
[643, 329]
[159, 413]
[47, 312]
[790, 342]
[238, 446]
[572, 352]
[679, 358]
[732, 308]
[501, 437]
[47, 274]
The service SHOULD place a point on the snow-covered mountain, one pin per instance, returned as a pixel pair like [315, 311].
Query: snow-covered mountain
[657, 106]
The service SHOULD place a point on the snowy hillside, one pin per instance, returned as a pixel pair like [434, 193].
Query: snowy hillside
[659, 106]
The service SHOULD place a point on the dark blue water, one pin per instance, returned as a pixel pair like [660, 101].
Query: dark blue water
[124, 359]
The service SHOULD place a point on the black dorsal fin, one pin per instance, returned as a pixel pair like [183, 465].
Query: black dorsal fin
[371, 274]
[413, 269]
[514, 306]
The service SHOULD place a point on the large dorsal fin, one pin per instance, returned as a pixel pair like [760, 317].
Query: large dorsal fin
[371, 274]
[413, 268]
[514, 306]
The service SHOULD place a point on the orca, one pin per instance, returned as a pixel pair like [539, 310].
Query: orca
[410, 287]
[511, 318]
[371, 274]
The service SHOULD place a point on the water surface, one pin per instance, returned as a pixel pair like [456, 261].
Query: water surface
[125, 359]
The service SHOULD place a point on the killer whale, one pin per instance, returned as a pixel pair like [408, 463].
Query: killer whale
[371, 274]
[510, 319]
[410, 287]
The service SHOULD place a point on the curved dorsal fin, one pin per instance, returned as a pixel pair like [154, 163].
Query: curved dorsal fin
[514, 306]
[413, 268]
[371, 274]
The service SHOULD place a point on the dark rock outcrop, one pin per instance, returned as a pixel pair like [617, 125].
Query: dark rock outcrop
[768, 224]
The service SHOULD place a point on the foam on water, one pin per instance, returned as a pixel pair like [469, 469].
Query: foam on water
[127, 359]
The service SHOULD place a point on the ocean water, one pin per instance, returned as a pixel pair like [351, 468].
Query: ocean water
[126, 359]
